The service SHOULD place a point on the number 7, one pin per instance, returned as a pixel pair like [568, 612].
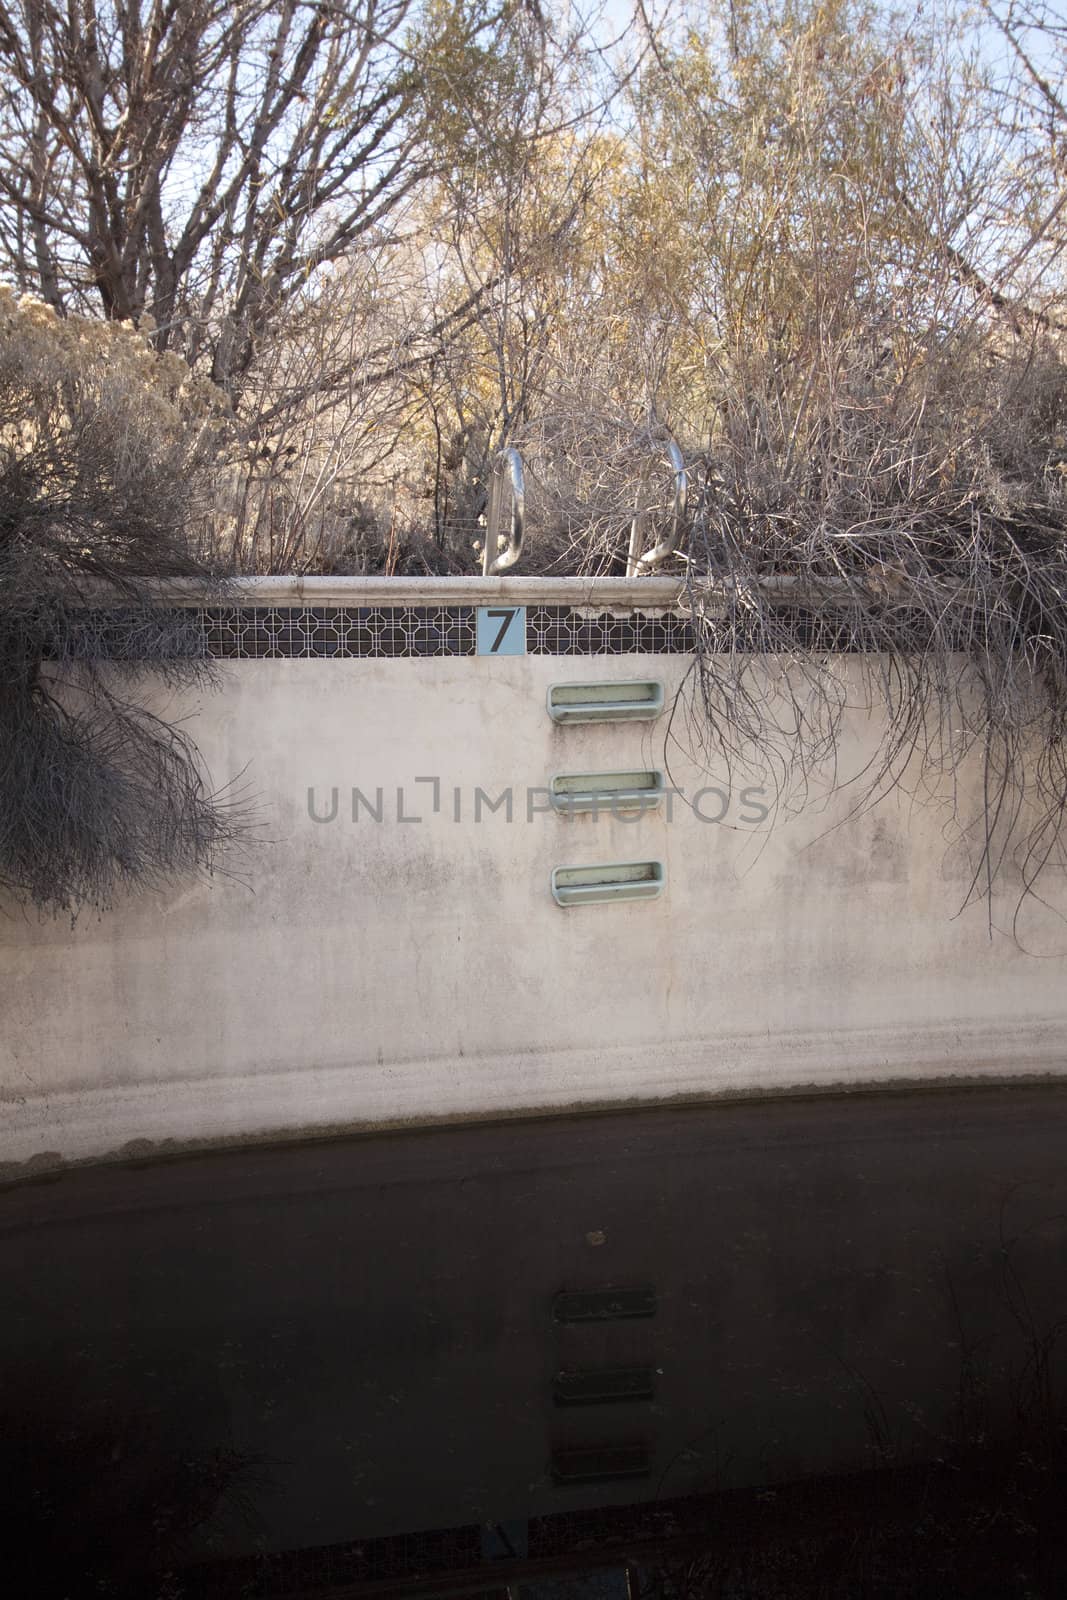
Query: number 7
[499, 640]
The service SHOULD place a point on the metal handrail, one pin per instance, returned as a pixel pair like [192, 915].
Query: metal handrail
[636, 562]
[493, 563]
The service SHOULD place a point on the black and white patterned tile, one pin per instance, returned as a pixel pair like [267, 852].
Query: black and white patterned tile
[251, 633]
[248, 633]
[257, 632]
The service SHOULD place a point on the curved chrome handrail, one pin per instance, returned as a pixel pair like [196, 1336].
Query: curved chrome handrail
[636, 562]
[492, 563]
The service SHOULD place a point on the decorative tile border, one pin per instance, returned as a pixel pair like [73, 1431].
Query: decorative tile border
[246, 633]
[563, 631]
[250, 633]
[255, 633]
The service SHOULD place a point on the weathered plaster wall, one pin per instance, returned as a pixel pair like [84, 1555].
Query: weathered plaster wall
[365, 972]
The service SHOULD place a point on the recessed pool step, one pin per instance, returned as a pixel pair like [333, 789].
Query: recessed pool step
[610, 1384]
[603, 1305]
[606, 791]
[618, 701]
[612, 881]
[594, 1464]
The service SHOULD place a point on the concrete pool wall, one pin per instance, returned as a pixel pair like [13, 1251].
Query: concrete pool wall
[389, 949]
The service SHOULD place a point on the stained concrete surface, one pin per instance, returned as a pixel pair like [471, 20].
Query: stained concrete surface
[358, 973]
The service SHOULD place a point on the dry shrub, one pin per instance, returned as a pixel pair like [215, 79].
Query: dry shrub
[102, 447]
[913, 518]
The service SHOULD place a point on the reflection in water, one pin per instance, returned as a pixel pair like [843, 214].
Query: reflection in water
[737, 1350]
